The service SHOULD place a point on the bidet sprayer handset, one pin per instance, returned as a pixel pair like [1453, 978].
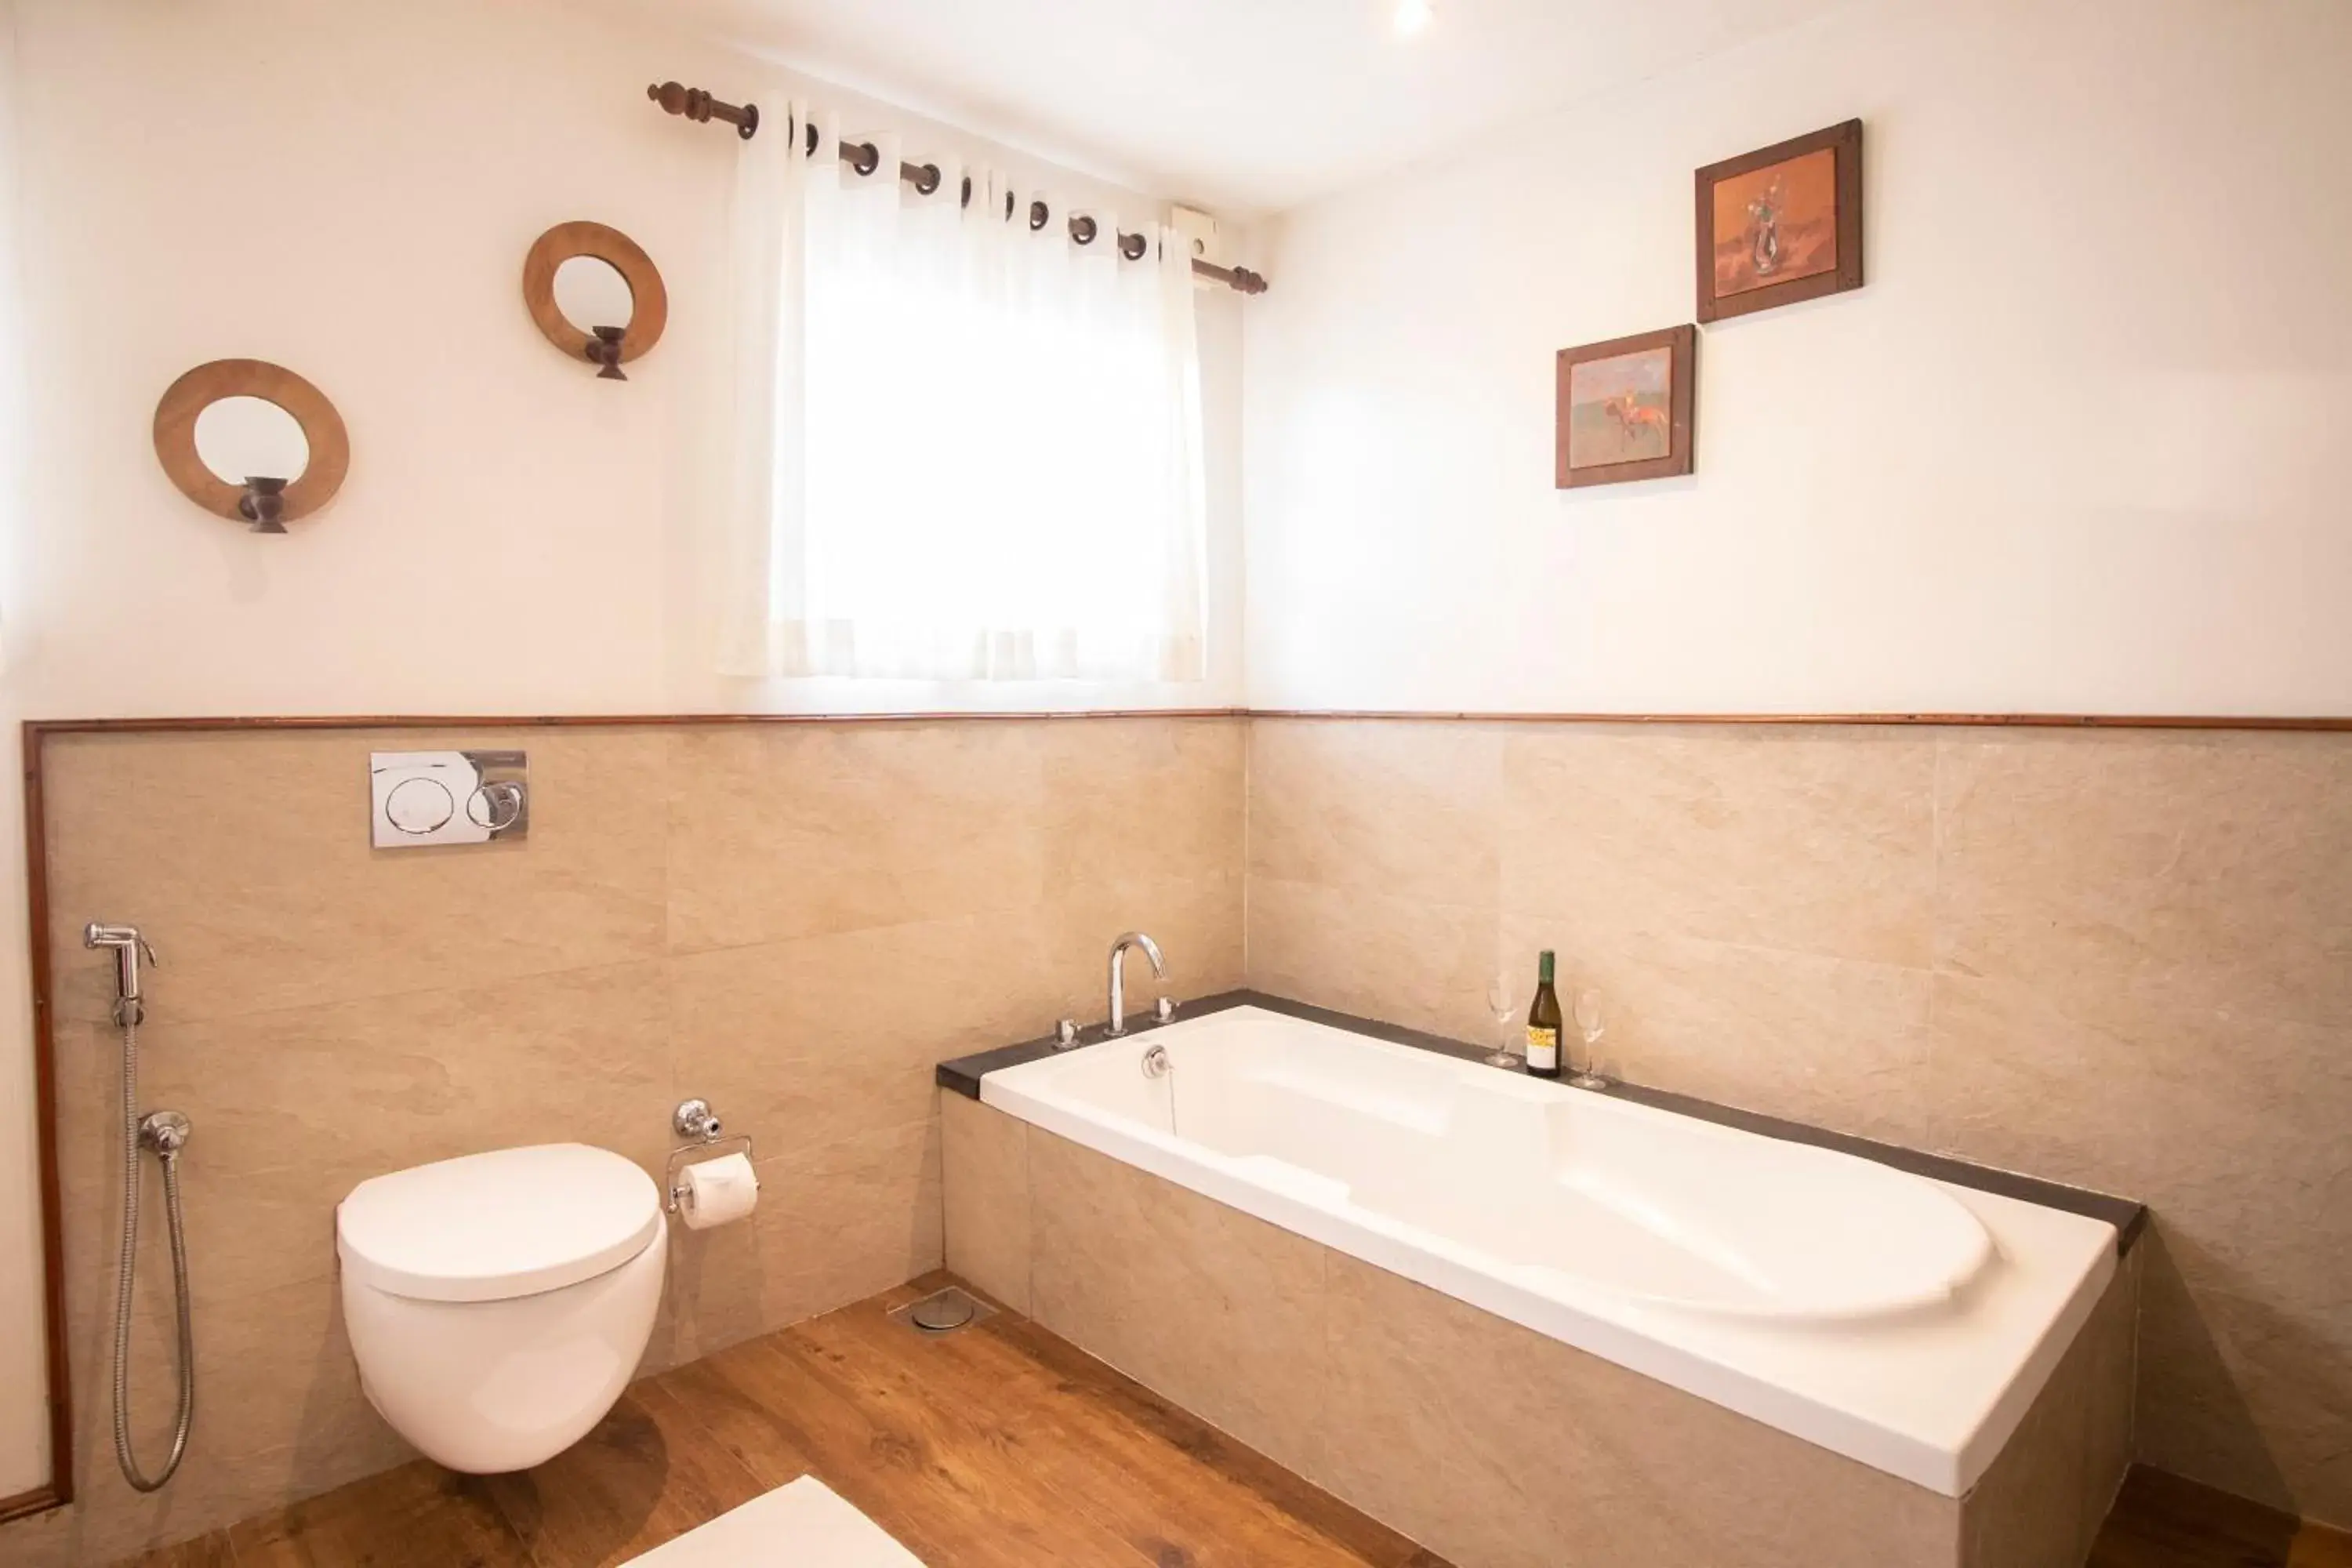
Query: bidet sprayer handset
[1118, 978]
[128, 946]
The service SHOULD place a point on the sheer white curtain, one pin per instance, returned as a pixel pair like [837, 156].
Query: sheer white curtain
[966, 449]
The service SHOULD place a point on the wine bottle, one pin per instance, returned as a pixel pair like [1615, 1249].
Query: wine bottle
[1543, 1024]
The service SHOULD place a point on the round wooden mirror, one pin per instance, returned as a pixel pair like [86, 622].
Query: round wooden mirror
[252, 442]
[549, 286]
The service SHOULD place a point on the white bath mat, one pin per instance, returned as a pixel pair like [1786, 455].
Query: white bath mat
[805, 1524]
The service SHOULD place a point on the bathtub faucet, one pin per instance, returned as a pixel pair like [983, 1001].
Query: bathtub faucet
[1118, 973]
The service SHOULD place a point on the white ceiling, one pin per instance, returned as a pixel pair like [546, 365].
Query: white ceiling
[1244, 106]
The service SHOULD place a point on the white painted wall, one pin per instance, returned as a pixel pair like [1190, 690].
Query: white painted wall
[24, 1433]
[349, 190]
[2076, 447]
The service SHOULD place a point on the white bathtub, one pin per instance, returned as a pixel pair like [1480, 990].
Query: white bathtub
[1904, 1322]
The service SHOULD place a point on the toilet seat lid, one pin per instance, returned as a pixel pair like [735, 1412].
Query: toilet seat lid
[488, 1227]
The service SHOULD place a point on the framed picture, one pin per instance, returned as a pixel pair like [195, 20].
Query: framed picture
[1781, 224]
[1625, 407]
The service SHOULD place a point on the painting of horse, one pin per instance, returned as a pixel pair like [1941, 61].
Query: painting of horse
[1620, 410]
[1625, 409]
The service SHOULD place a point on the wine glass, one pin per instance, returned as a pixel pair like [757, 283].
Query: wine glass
[1504, 1004]
[1588, 1024]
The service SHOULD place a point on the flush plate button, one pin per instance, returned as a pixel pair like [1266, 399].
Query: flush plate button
[418, 806]
[448, 797]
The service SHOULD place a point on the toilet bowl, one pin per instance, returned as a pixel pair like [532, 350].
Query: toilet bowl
[498, 1303]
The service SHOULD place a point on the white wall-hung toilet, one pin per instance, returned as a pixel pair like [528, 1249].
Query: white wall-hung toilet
[499, 1304]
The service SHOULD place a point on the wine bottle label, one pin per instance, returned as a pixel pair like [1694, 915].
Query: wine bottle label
[1543, 1050]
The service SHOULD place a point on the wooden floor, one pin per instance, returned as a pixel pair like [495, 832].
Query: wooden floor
[999, 1445]
[2163, 1521]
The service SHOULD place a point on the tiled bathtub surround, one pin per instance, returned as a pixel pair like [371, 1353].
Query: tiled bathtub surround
[1492, 1445]
[2119, 958]
[795, 921]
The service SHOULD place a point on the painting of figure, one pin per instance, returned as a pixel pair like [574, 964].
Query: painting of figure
[1781, 224]
[1625, 410]
[1619, 409]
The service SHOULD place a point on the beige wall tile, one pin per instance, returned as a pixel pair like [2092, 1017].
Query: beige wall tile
[803, 1043]
[351, 1089]
[2113, 1375]
[1142, 801]
[1813, 840]
[850, 1219]
[2048, 1491]
[2143, 872]
[2243, 1385]
[796, 921]
[1196, 921]
[245, 861]
[1497, 1447]
[279, 1415]
[2229, 1130]
[292, 1110]
[985, 1158]
[835, 1223]
[2113, 959]
[2139, 941]
[2030, 1509]
[2146, 937]
[1426, 966]
[1403, 810]
[1219, 1312]
[109, 1522]
[790, 830]
[1836, 1042]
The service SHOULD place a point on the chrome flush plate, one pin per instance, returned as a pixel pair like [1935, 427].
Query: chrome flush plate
[448, 797]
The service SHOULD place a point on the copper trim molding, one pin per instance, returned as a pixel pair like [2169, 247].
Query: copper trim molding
[2286, 722]
[1956, 720]
[60, 1487]
[23, 1505]
[37, 728]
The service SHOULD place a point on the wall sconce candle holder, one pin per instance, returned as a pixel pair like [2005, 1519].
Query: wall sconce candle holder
[606, 347]
[264, 503]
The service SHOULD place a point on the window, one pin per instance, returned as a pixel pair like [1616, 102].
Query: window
[986, 447]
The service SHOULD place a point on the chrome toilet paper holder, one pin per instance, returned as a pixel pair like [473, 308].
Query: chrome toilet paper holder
[694, 1120]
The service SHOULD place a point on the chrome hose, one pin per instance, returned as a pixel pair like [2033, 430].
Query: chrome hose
[167, 1150]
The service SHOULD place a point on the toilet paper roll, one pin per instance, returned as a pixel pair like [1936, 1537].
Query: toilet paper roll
[718, 1191]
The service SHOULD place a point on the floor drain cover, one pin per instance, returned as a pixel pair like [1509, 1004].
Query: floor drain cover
[942, 1311]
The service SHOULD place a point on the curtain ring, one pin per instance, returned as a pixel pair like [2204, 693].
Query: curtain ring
[866, 158]
[1133, 246]
[1083, 229]
[926, 179]
[1008, 207]
[966, 191]
[1037, 216]
[811, 138]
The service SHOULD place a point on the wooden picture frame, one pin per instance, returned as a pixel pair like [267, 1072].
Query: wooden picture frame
[1619, 380]
[1798, 208]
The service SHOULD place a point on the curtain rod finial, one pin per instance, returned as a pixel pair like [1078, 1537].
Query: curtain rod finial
[676, 98]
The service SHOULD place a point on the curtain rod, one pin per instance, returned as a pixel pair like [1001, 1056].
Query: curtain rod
[864, 157]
